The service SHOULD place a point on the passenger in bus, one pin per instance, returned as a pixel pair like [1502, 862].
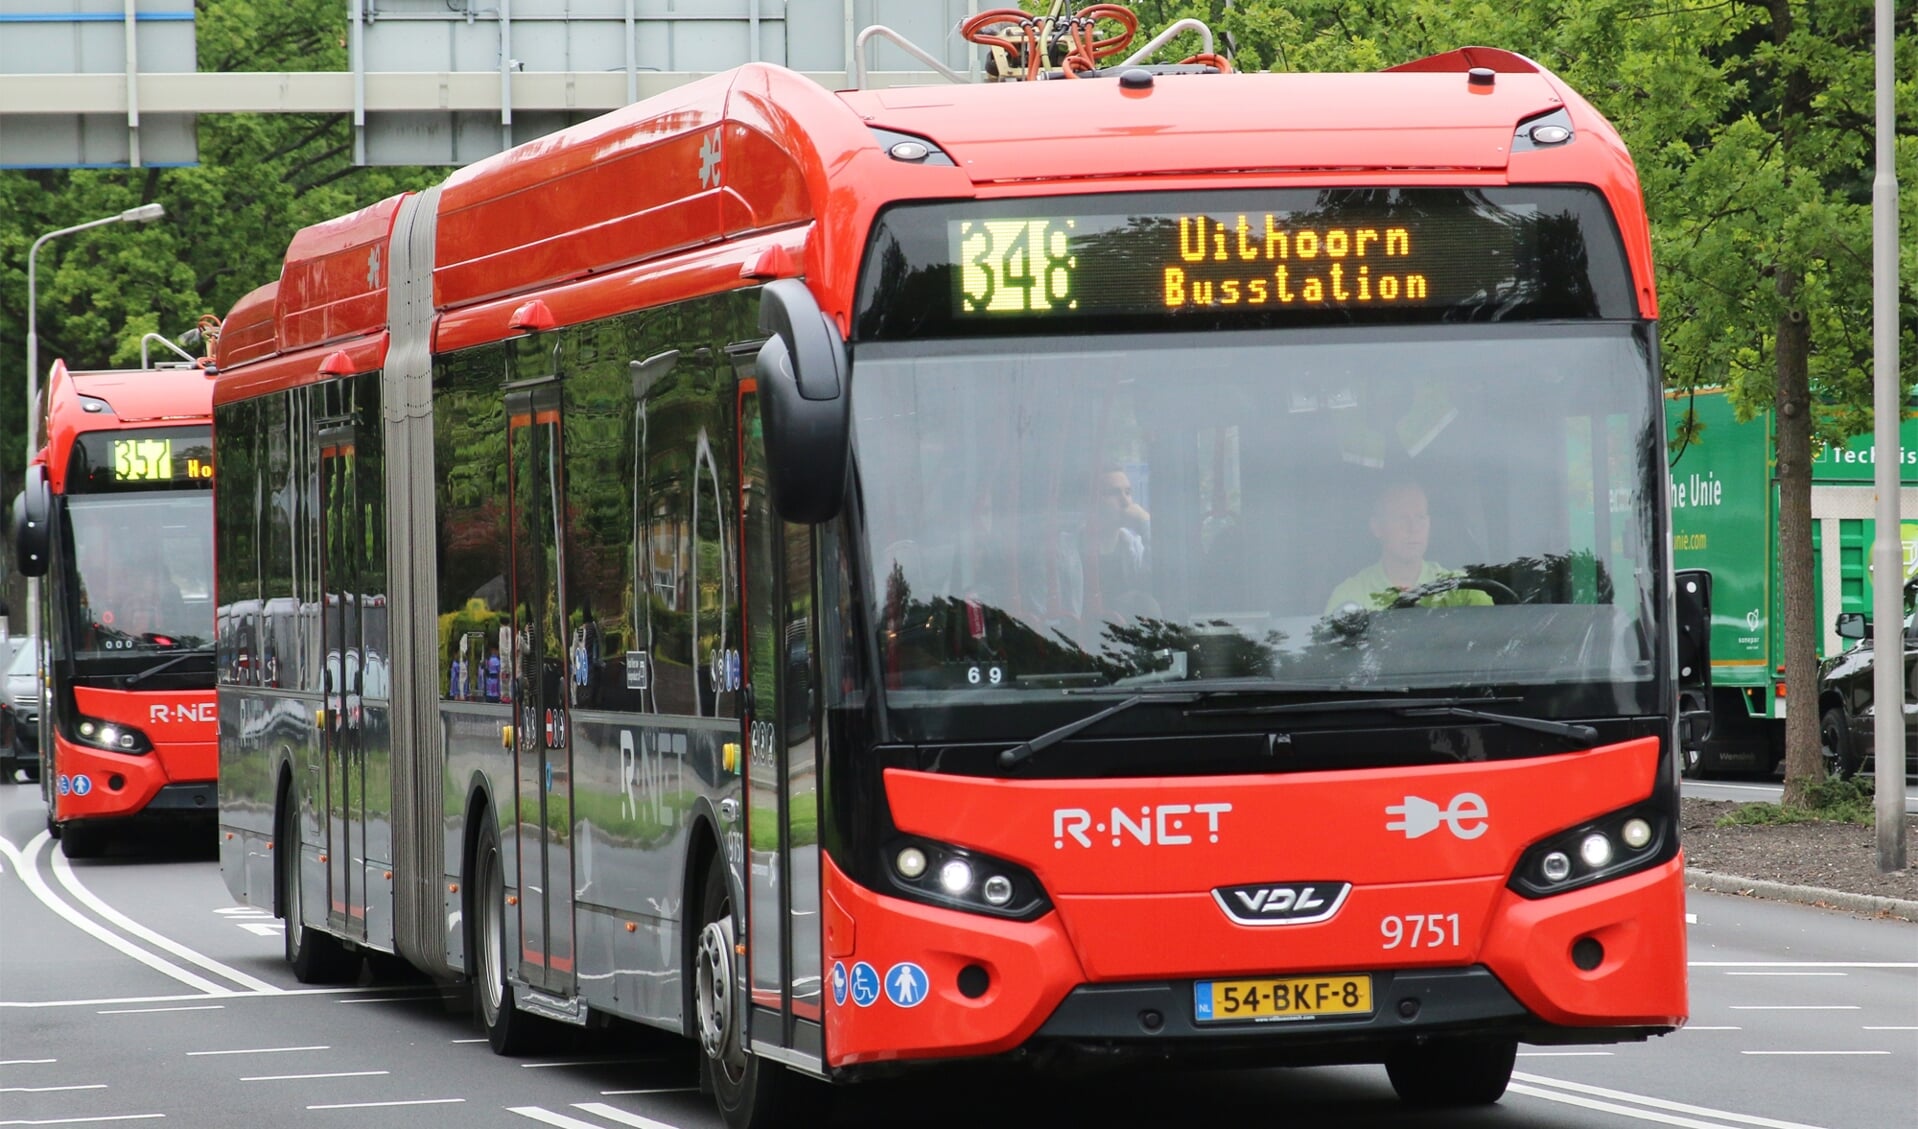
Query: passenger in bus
[138, 600]
[1402, 524]
[1107, 573]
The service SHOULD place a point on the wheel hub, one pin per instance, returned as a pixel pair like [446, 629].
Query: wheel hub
[713, 990]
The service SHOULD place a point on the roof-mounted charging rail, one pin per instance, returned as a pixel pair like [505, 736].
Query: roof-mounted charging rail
[1070, 42]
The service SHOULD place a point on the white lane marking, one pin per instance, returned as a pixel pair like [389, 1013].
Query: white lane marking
[63, 870]
[86, 1120]
[264, 930]
[256, 1051]
[1815, 1053]
[481, 1039]
[389, 999]
[1802, 964]
[1780, 972]
[589, 1062]
[654, 1090]
[548, 1117]
[298, 1077]
[621, 1117]
[1647, 1114]
[1796, 1007]
[1694, 1027]
[23, 862]
[1868, 1029]
[222, 994]
[50, 1089]
[1691, 919]
[379, 1105]
[151, 1010]
[1564, 1054]
[27, 1061]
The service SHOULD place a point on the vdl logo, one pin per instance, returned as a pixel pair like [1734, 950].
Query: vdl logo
[160, 713]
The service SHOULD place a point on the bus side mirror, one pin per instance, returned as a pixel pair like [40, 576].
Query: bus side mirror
[1694, 622]
[32, 520]
[1853, 625]
[805, 401]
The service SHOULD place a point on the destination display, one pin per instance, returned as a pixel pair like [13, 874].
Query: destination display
[155, 459]
[1243, 258]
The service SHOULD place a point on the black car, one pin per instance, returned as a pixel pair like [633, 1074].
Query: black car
[1846, 717]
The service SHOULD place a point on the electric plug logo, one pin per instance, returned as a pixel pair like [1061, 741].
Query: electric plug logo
[1465, 815]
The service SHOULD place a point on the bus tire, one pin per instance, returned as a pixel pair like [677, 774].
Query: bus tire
[315, 956]
[509, 1030]
[1452, 1072]
[80, 840]
[747, 1089]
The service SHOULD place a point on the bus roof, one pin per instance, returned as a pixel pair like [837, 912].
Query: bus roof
[751, 156]
[83, 400]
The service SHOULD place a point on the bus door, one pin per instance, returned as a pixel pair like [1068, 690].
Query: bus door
[342, 540]
[782, 774]
[542, 730]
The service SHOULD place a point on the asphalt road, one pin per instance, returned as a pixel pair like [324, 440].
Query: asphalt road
[131, 989]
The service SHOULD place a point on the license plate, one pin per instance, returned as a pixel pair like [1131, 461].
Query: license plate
[1289, 998]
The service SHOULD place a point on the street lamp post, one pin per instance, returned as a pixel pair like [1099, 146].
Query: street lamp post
[145, 213]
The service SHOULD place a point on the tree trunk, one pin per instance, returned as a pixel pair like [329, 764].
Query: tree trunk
[1804, 763]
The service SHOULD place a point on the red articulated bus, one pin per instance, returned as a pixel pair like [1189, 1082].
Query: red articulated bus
[117, 517]
[1159, 563]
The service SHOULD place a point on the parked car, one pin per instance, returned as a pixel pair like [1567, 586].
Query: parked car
[1846, 717]
[20, 714]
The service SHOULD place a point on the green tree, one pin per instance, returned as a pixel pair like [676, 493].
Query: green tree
[1751, 124]
[261, 177]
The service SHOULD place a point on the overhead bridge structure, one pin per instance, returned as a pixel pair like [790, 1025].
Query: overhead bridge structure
[117, 83]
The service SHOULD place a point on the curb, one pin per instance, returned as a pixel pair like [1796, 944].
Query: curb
[1804, 895]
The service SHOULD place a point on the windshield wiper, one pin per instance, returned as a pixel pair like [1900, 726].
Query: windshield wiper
[1025, 750]
[134, 679]
[1571, 729]
[1191, 690]
[1418, 707]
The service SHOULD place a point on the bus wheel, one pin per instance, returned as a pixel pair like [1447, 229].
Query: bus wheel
[746, 1088]
[1841, 757]
[508, 1029]
[82, 840]
[316, 957]
[1452, 1072]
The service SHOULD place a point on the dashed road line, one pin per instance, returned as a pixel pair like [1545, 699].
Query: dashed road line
[589, 1062]
[548, 1117]
[1586, 1096]
[1780, 972]
[653, 1090]
[303, 1077]
[1695, 1027]
[1868, 1029]
[1802, 964]
[381, 1105]
[50, 1089]
[621, 1117]
[151, 1010]
[1815, 1053]
[27, 1061]
[88, 1120]
[1796, 1007]
[256, 1051]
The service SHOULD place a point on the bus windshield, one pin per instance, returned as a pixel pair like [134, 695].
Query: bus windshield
[139, 572]
[1423, 508]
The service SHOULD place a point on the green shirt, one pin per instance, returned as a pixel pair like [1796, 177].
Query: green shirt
[1369, 588]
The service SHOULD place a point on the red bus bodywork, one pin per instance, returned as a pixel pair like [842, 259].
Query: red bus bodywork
[178, 724]
[626, 212]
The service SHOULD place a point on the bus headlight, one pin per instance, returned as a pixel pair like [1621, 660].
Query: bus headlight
[112, 736]
[1604, 848]
[957, 878]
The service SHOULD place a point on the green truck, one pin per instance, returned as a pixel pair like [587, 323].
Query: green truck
[1725, 522]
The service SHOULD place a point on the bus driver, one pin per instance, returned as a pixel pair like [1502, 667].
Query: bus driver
[1403, 526]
